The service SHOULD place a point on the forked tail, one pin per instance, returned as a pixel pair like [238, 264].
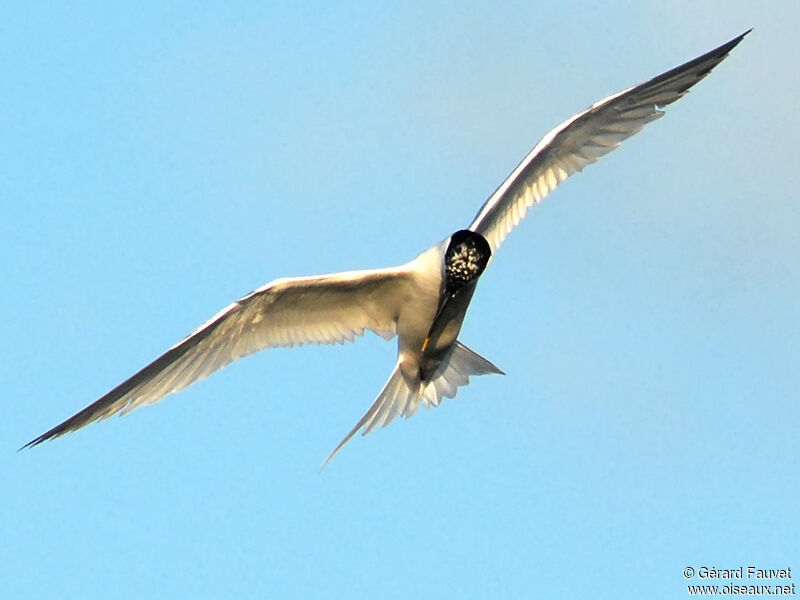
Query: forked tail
[399, 398]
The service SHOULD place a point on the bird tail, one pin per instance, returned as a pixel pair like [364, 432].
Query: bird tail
[399, 397]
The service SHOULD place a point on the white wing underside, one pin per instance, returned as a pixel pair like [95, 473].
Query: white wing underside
[584, 138]
[328, 309]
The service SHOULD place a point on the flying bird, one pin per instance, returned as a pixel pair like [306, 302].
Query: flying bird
[422, 302]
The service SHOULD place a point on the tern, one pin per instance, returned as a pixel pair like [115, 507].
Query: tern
[422, 302]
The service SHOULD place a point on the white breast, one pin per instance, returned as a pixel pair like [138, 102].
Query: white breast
[419, 308]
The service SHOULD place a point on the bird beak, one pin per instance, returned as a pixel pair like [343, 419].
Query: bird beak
[451, 310]
[439, 311]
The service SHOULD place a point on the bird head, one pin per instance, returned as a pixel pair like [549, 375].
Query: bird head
[465, 259]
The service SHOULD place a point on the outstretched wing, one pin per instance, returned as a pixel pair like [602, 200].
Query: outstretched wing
[582, 139]
[286, 312]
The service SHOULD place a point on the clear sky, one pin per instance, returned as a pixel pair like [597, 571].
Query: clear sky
[161, 160]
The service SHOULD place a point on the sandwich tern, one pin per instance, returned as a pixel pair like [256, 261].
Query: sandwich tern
[423, 302]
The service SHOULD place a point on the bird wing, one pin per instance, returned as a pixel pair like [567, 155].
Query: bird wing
[286, 312]
[584, 138]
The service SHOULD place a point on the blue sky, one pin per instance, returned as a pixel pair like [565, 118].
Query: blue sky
[160, 161]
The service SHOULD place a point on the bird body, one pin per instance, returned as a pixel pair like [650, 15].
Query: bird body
[423, 302]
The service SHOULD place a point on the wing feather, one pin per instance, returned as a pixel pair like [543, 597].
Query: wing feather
[583, 139]
[286, 312]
